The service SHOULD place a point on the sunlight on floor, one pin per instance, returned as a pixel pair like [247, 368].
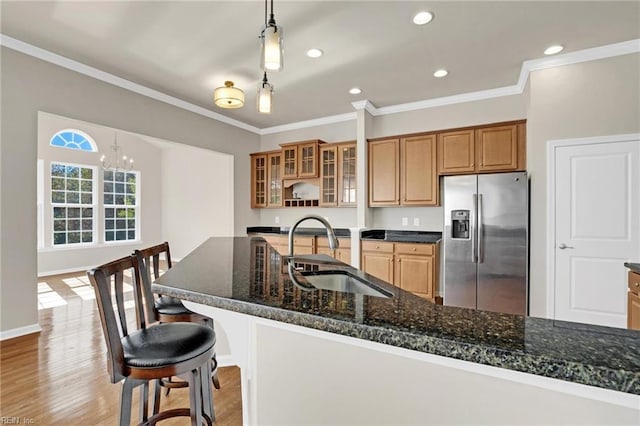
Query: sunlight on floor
[47, 298]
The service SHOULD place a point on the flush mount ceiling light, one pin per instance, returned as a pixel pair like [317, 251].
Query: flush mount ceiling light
[228, 96]
[116, 160]
[355, 91]
[440, 73]
[552, 50]
[314, 53]
[271, 36]
[265, 96]
[422, 18]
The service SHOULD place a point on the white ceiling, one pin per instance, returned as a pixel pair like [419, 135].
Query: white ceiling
[186, 49]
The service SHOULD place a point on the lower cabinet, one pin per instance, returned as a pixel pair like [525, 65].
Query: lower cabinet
[411, 266]
[342, 253]
[633, 298]
[310, 245]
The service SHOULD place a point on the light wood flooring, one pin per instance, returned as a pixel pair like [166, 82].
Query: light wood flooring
[58, 377]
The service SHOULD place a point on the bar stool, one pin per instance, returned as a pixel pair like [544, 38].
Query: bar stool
[166, 309]
[141, 353]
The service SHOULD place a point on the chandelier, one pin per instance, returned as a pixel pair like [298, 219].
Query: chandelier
[116, 160]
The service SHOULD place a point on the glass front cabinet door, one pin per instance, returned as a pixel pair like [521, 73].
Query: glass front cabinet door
[258, 180]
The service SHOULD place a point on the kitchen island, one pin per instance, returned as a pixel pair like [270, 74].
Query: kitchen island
[319, 356]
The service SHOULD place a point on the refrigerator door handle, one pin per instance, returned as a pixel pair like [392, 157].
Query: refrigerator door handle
[474, 256]
[480, 230]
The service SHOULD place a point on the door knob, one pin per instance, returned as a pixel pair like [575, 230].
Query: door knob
[563, 246]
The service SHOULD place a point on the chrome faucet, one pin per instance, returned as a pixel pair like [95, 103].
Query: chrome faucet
[333, 241]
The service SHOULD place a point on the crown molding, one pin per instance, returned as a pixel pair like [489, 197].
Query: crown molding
[309, 123]
[592, 54]
[81, 68]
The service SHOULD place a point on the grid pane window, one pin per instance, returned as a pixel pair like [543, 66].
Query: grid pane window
[120, 205]
[72, 203]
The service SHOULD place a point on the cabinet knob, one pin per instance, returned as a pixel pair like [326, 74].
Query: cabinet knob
[414, 249]
[377, 247]
[636, 284]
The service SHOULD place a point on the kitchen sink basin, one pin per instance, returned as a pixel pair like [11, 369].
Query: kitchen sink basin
[342, 281]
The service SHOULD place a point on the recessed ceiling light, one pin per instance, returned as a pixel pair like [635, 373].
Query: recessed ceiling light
[440, 73]
[355, 91]
[314, 53]
[552, 50]
[422, 18]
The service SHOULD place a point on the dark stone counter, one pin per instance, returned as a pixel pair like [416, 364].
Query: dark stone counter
[401, 236]
[246, 275]
[635, 267]
[340, 232]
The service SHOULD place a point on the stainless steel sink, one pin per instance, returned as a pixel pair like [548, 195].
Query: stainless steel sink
[342, 281]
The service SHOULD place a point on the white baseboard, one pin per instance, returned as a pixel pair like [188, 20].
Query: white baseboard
[20, 331]
[79, 269]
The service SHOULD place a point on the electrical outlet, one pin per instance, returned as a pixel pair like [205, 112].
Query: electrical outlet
[277, 219]
[416, 221]
[405, 221]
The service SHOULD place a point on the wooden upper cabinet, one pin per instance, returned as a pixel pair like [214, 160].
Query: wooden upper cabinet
[347, 174]
[258, 180]
[456, 152]
[496, 148]
[274, 179]
[338, 174]
[300, 159]
[289, 161]
[384, 172]
[328, 175]
[418, 174]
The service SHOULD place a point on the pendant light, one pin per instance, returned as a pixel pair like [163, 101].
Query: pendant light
[228, 96]
[265, 96]
[271, 36]
[116, 160]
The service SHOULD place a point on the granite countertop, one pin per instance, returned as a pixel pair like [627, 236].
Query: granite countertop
[401, 236]
[245, 274]
[635, 267]
[340, 232]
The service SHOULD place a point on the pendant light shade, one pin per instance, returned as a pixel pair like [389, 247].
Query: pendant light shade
[265, 96]
[271, 36]
[228, 96]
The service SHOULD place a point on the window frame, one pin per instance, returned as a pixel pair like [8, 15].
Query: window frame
[53, 205]
[104, 206]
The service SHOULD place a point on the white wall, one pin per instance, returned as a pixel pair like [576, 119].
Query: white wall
[30, 85]
[588, 99]
[197, 201]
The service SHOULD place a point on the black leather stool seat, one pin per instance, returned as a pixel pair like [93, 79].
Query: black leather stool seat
[167, 305]
[166, 344]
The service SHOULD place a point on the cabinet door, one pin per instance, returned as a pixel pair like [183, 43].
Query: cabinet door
[384, 173]
[274, 175]
[347, 175]
[456, 152]
[418, 174]
[380, 265]
[497, 148]
[325, 250]
[328, 175]
[289, 162]
[415, 274]
[633, 319]
[308, 159]
[343, 255]
[258, 181]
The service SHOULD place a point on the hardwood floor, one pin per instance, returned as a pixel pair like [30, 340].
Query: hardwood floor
[59, 377]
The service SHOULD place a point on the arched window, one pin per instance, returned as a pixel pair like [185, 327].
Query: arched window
[73, 139]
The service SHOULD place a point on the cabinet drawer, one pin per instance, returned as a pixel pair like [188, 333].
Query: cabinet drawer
[414, 248]
[302, 241]
[324, 242]
[377, 246]
[634, 282]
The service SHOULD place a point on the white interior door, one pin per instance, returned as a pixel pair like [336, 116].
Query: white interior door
[597, 229]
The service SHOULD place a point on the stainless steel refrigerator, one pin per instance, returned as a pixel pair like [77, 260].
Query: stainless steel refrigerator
[486, 242]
